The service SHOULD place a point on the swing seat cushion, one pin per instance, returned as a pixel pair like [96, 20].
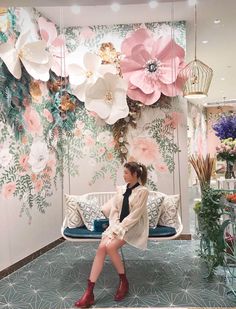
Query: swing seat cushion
[83, 232]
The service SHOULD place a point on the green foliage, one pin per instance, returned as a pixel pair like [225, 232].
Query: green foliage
[211, 229]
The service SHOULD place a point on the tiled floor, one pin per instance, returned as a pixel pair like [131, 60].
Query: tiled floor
[168, 274]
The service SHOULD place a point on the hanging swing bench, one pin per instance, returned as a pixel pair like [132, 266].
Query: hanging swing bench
[159, 233]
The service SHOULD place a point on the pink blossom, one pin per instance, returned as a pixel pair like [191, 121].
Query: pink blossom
[8, 190]
[50, 169]
[151, 67]
[144, 150]
[87, 33]
[162, 168]
[38, 185]
[173, 120]
[24, 161]
[89, 141]
[101, 150]
[48, 115]
[32, 121]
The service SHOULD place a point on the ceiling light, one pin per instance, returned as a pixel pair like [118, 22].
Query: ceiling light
[205, 42]
[222, 78]
[217, 21]
[153, 4]
[115, 7]
[75, 9]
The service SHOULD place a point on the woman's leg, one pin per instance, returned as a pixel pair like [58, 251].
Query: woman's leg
[98, 261]
[87, 298]
[112, 250]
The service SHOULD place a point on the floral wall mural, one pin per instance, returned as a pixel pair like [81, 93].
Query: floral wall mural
[100, 93]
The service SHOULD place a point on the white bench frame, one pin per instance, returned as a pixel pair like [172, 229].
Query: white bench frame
[103, 197]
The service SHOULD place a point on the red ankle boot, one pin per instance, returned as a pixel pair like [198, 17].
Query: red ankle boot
[87, 299]
[123, 288]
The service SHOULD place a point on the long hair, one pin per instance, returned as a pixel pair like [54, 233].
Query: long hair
[140, 169]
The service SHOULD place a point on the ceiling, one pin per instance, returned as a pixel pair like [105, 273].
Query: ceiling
[219, 52]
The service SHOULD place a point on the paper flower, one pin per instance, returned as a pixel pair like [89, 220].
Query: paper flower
[55, 44]
[85, 74]
[38, 156]
[151, 66]
[32, 120]
[107, 98]
[34, 57]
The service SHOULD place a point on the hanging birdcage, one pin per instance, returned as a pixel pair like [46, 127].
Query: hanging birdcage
[198, 78]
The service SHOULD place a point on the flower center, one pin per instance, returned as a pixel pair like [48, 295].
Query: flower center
[89, 74]
[152, 66]
[108, 97]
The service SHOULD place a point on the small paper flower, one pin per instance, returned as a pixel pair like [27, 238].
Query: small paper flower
[107, 98]
[32, 120]
[33, 55]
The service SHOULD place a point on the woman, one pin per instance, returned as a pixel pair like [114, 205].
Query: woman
[128, 223]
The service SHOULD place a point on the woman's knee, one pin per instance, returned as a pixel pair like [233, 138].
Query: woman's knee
[111, 248]
[101, 248]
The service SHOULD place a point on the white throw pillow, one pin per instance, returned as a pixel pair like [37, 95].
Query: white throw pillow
[154, 206]
[89, 210]
[169, 210]
[73, 216]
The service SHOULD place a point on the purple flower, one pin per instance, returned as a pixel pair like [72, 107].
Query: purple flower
[225, 127]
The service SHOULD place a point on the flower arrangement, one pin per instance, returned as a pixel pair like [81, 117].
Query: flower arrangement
[227, 150]
[225, 127]
[231, 198]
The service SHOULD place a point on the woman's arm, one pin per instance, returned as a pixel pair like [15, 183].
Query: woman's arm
[140, 204]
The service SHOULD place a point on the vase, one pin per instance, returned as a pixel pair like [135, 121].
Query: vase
[229, 173]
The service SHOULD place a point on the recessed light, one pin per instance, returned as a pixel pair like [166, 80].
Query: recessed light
[217, 21]
[153, 4]
[222, 78]
[115, 7]
[205, 42]
[192, 2]
[75, 9]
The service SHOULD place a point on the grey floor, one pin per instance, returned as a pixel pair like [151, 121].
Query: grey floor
[168, 274]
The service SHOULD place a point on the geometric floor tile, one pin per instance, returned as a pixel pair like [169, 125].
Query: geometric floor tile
[168, 274]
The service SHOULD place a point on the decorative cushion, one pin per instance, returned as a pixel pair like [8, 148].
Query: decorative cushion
[89, 210]
[74, 218]
[169, 210]
[100, 225]
[154, 206]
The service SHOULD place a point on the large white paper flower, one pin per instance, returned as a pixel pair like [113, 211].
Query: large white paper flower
[36, 60]
[84, 74]
[39, 156]
[107, 98]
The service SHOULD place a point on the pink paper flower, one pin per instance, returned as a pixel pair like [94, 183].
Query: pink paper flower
[48, 115]
[8, 190]
[87, 33]
[55, 44]
[32, 121]
[161, 167]
[151, 66]
[144, 150]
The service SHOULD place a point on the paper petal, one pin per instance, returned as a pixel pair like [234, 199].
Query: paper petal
[10, 57]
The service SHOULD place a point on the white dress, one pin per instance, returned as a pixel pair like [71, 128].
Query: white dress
[134, 228]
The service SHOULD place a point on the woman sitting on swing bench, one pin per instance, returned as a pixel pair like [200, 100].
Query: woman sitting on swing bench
[128, 223]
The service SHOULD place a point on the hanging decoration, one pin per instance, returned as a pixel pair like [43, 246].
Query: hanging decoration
[197, 74]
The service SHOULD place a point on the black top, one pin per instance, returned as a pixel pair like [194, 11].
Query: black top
[125, 205]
